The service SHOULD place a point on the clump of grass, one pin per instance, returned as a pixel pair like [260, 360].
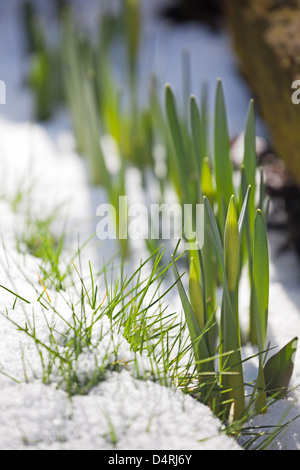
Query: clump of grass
[41, 238]
[38, 238]
[88, 328]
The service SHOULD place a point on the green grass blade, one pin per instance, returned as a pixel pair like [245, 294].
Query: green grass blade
[204, 118]
[15, 294]
[223, 164]
[196, 127]
[177, 138]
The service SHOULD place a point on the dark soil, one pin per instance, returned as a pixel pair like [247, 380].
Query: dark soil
[209, 12]
[284, 193]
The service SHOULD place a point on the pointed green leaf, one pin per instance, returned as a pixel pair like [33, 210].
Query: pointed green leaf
[279, 369]
[177, 137]
[260, 283]
[196, 133]
[260, 300]
[223, 164]
[204, 118]
[231, 246]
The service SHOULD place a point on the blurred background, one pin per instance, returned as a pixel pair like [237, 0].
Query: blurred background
[188, 44]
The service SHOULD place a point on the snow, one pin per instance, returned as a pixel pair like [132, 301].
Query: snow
[122, 411]
[142, 414]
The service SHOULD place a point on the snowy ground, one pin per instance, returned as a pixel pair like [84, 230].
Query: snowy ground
[121, 412]
[142, 415]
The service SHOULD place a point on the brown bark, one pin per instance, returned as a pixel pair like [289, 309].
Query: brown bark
[266, 37]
